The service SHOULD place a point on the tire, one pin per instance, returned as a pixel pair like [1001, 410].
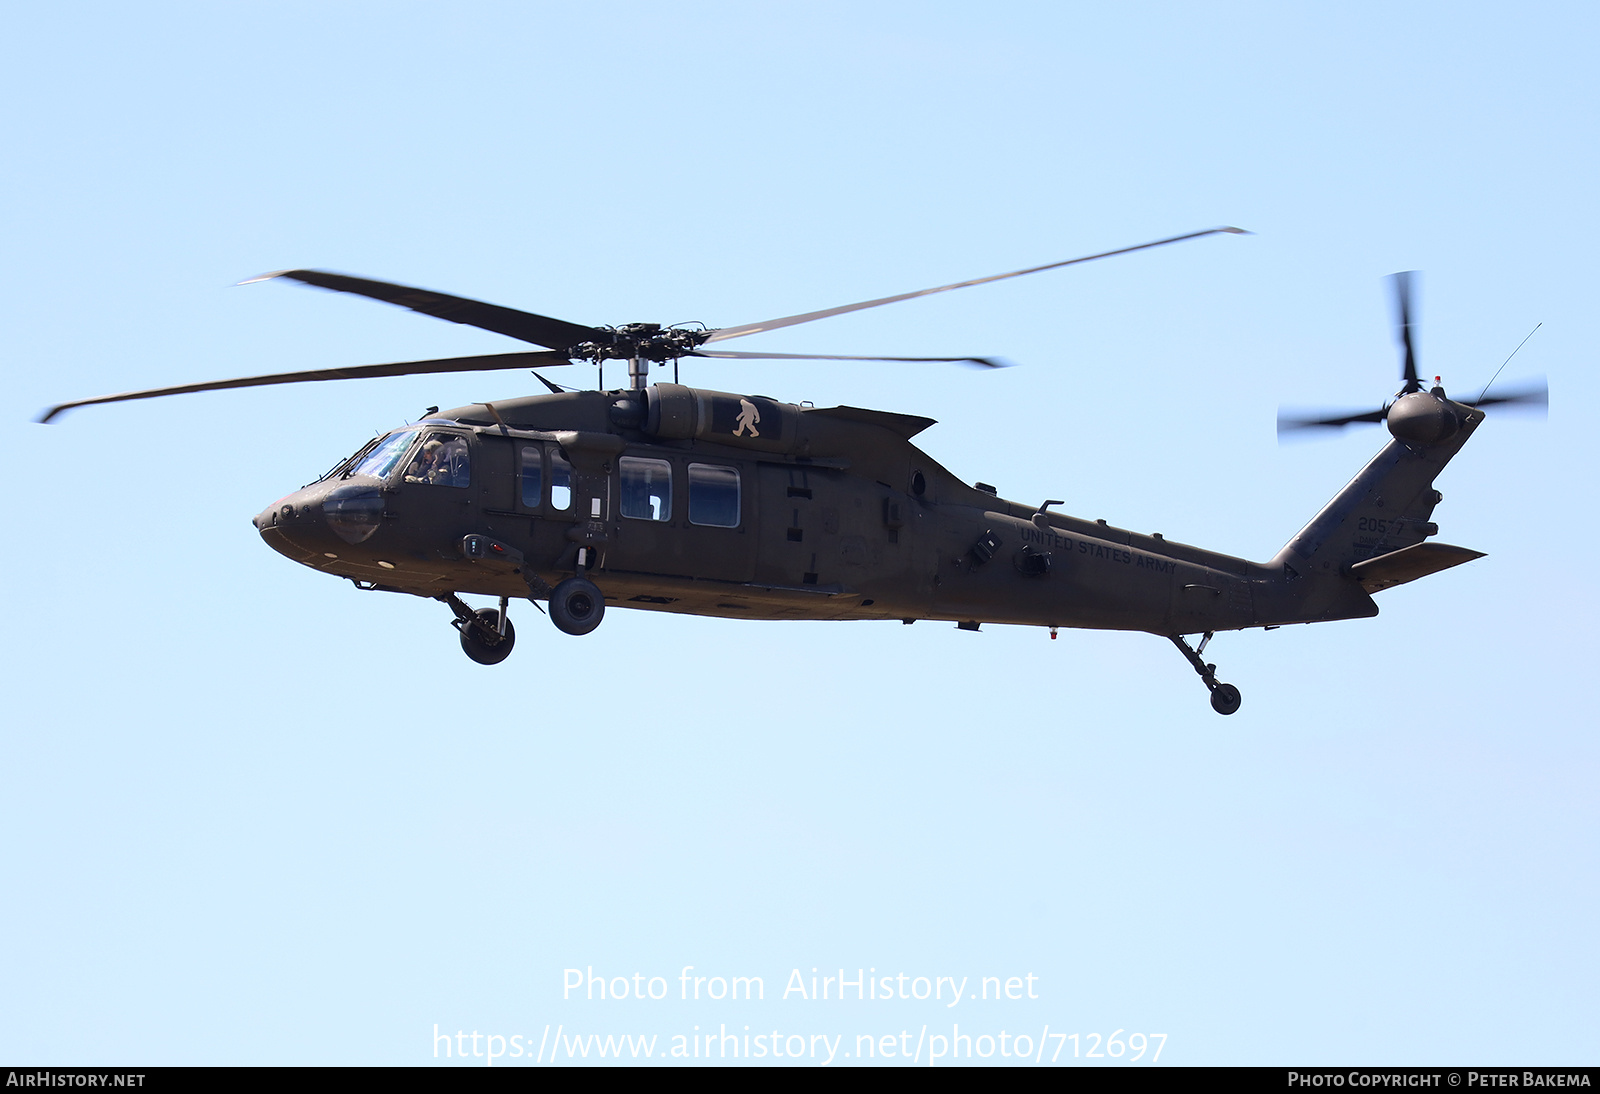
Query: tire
[1225, 699]
[577, 606]
[478, 648]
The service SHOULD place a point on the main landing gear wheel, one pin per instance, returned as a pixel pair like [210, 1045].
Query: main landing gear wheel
[1225, 699]
[577, 606]
[476, 638]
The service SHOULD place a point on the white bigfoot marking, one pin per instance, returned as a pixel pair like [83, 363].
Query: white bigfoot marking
[748, 417]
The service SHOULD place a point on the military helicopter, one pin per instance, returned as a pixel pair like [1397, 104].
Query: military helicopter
[669, 498]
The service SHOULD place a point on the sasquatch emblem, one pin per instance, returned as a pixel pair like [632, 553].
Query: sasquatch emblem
[748, 417]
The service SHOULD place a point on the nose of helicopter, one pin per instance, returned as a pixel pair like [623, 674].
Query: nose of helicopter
[319, 519]
[293, 526]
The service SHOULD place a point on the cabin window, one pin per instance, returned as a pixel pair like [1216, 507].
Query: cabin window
[560, 482]
[442, 460]
[713, 495]
[386, 456]
[646, 488]
[532, 476]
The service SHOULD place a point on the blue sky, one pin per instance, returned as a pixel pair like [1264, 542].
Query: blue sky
[256, 816]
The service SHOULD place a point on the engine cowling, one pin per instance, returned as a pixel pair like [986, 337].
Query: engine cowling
[675, 412]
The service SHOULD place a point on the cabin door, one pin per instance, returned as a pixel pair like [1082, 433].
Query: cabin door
[683, 517]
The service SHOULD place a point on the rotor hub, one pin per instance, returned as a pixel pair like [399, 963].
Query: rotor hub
[640, 341]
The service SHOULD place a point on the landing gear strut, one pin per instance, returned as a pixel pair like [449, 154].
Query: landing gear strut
[576, 604]
[486, 634]
[1225, 698]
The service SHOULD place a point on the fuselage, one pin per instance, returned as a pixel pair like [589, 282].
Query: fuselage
[738, 506]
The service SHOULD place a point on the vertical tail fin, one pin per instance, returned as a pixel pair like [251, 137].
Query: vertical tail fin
[1330, 567]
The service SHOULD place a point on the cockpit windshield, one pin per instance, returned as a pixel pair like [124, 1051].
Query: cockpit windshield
[385, 457]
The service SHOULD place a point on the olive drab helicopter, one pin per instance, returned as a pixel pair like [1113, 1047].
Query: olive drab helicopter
[670, 498]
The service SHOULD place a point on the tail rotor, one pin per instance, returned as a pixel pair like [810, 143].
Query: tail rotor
[1414, 414]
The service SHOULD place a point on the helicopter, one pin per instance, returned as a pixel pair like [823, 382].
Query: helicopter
[665, 497]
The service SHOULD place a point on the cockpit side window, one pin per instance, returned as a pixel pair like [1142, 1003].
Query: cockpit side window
[443, 460]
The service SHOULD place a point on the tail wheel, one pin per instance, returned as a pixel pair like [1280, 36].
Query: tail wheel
[1225, 699]
[577, 605]
[476, 638]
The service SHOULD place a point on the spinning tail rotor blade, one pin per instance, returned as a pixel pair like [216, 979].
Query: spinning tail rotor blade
[1288, 423]
[1402, 300]
[792, 320]
[483, 363]
[981, 362]
[524, 326]
[1534, 397]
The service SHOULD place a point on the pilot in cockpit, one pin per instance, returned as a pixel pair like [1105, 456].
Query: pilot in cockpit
[425, 467]
[441, 462]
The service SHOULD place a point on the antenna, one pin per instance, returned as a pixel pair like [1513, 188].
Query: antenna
[1506, 362]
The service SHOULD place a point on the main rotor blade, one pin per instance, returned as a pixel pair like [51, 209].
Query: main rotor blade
[482, 363]
[984, 362]
[789, 321]
[1290, 424]
[1402, 298]
[541, 330]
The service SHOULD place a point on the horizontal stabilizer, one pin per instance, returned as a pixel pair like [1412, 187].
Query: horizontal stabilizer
[1408, 564]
